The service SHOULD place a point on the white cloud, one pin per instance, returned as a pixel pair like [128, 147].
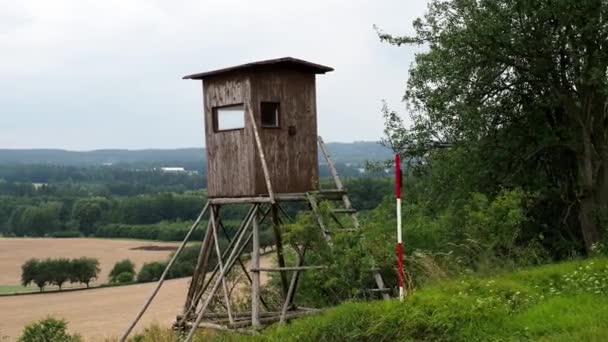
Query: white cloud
[89, 74]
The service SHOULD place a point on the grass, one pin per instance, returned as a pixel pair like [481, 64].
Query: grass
[560, 302]
[9, 289]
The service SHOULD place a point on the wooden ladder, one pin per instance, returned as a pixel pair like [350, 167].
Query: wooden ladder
[347, 209]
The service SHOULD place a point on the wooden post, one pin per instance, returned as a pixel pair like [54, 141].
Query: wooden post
[196, 296]
[198, 278]
[279, 245]
[231, 260]
[164, 275]
[255, 264]
[258, 142]
[220, 263]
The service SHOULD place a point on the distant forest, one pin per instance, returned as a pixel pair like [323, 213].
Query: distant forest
[189, 158]
[125, 194]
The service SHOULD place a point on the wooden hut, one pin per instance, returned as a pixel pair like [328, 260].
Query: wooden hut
[275, 100]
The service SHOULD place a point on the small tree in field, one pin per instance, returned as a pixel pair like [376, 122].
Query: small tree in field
[59, 270]
[83, 270]
[122, 266]
[28, 271]
[37, 272]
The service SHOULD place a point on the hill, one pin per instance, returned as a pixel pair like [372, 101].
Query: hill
[356, 152]
[560, 302]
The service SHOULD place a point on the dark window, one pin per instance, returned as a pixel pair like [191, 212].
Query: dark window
[270, 114]
[228, 118]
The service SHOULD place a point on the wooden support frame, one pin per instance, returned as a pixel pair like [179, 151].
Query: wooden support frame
[205, 286]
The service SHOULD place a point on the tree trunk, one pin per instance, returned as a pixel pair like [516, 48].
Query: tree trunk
[589, 198]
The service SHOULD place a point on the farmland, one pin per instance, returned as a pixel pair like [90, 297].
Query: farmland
[15, 251]
[98, 313]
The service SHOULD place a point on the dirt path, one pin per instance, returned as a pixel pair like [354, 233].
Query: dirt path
[99, 313]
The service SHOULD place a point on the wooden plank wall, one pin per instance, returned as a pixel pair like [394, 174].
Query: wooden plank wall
[230, 162]
[292, 160]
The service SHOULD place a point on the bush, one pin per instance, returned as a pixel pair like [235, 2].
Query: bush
[151, 272]
[48, 330]
[122, 266]
[125, 277]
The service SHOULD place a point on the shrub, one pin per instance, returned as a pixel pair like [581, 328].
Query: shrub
[48, 330]
[151, 271]
[125, 277]
[122, 266]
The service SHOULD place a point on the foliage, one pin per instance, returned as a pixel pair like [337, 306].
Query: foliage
[123, 266]
[558, 301]
[151, 271]
[125, 278]
[58, 271]
[84, 270]
[517, 90]
[48, 330]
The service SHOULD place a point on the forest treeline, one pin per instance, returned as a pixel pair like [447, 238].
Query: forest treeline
[65, 201]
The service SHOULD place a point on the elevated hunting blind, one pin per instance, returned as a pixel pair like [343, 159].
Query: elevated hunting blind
[274, 99]
[261, 138]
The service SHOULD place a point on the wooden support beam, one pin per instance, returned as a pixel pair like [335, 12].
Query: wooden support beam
[287, 269]
[240, 200]
[241, 231]
[200, 272]
[164, 274]
[231, 260]
[220, 263]
[278, 241]
[315, 210]
[261, 154]
[255, 263]
[292, 288]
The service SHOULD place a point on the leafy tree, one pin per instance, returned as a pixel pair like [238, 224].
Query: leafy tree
[60, 271]
[48, 330]
[521, 89]
[87, 214]
[28, 271]
[84, 270]
[125, 277]
[42, 274]
[122, 266]
[151, 271]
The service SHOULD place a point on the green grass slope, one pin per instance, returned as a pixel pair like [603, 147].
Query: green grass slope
[560, 302]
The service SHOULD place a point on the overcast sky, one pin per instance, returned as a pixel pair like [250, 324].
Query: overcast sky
[86, 74]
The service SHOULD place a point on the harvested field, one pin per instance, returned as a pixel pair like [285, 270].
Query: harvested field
[15, 251]
[98, 314]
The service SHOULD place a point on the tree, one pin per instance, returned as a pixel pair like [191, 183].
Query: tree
[28, 271]
[122, 266]
[151, 271]
[84, 270]
[522, 88]
[42, 274]
[87, 213]
[60, 271]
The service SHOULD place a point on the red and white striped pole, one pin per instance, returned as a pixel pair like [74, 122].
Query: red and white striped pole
[400, 273]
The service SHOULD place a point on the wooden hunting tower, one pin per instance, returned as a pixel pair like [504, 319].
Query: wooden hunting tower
[261, 137]
[274, 99]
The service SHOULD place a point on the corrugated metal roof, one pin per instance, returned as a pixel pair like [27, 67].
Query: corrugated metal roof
[285, 61]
